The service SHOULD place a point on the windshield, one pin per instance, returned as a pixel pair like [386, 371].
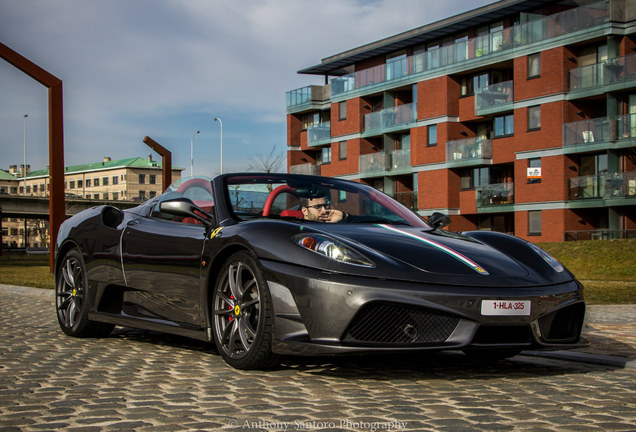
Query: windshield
[295, 197]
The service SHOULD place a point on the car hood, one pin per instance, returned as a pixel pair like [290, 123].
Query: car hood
[434, 251]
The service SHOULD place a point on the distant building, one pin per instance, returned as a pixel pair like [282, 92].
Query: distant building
[519, 117]
[123, 179]
[119, 180]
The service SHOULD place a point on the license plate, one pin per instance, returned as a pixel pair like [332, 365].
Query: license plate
[505, 307]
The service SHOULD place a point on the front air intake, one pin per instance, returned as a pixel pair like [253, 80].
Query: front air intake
[395, 324]
[563, 325]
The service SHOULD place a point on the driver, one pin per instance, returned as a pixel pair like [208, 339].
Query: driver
[319, 210]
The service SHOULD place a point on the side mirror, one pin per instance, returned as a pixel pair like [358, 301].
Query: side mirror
[439, 220]
[186, 208]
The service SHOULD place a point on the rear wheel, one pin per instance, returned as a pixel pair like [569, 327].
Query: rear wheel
[242, 315]
[71, 299]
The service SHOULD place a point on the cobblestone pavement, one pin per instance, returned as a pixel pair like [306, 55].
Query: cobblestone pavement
[146, 381]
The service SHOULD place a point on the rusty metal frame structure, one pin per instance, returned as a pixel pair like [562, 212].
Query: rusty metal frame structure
[166, 161]
[57, 205]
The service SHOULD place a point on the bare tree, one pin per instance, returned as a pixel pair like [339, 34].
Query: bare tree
[270, 163]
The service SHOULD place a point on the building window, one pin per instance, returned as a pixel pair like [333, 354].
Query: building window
[326, 155]
[342, 110]
[534, 222]
[477, 177]
[28, 189]
[88, 182]
[534, 170]
[142, 195]
[35, 189]
[71, 184]
[115, 196]
[96, 182]
[504, 126]
[152, 179]
[115, 180]
[534, 117]
[342, 150]
[152, 194]
[432, 135]
[142, 178]
[95, 196]
[534, 66]
[80, 183]
[14, 190]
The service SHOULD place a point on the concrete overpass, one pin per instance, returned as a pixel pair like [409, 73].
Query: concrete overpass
[17, 206]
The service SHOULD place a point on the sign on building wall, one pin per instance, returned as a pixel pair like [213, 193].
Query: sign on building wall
[534, 173]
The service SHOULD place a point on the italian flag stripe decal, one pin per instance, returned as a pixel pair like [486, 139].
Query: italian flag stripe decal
[470, 263]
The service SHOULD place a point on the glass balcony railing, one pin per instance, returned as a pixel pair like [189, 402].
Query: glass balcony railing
[599, 130]
[551, 26]
[409, 199]
[616, 70]
[373, 164]
[495, 194]
[399, 161]
[389, 117]
[469, 149]
[605, 186]
[599, 234]
[494, 96]
[307, 168]
[319, 133]
[305, 96]
[298, 96]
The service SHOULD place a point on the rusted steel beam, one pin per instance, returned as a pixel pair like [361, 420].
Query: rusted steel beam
[166, 161]
[56, 139]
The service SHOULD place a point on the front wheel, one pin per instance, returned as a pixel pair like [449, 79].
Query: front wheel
[242, 315]
[71, 299]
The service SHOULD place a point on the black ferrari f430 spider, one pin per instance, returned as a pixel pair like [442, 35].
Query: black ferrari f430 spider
[266, 265]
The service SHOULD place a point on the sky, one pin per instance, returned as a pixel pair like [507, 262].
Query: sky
[167, 68]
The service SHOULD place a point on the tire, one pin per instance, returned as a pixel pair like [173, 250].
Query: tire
[242, 316]
[491, 354]
[71, 299]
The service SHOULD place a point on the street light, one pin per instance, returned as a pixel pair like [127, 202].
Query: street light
[219, 120]
[25, 165]
[192, 154]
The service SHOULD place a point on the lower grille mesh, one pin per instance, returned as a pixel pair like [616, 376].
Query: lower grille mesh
[386, 323]
[563, 325]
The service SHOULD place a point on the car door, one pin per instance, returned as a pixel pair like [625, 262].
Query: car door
[161, 260]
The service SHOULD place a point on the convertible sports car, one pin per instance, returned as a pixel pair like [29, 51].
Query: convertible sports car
[267, 265]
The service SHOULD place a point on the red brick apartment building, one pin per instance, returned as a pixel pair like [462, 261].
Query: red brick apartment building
[518, 117]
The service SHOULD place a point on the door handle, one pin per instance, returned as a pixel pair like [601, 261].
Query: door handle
[133, 222]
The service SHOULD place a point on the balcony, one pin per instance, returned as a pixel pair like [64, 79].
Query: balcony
[494, 98]
[495, 195]
[482, 49]
[600, 134]
[319, 134]
[399, 162]
[468, 152]
[379, 164]
[599, 234]
[373, 164]
[307, 168]
[409, 199]
[305, 98]
[612, 75]
[390, 119]
[605, 186]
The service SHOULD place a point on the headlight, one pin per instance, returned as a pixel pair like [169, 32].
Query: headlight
[548, 258]
[331, 248]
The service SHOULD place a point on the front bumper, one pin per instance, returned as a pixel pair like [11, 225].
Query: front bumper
[318, 313]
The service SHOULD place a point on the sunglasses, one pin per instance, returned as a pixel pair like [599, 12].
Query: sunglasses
[319, 206]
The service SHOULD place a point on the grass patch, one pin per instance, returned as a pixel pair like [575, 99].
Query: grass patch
[606, 267]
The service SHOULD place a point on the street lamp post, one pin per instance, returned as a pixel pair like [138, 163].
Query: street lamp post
[192, 154]
[24, 170]
[221, 123]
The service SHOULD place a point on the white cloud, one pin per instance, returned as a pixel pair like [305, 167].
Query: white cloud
[165, 67]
